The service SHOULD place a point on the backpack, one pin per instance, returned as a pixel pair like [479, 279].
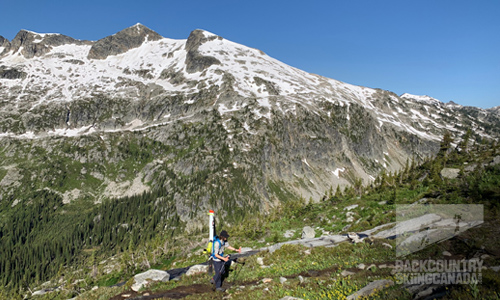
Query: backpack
[211, 247]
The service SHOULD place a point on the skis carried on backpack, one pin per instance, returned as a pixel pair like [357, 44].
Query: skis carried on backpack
[211, 238]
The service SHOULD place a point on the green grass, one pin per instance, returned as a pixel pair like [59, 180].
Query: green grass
[479, 186]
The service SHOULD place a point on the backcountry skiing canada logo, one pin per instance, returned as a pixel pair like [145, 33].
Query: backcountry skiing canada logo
[418, 226]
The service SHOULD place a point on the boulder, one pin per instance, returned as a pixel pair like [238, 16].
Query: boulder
[350, 207]
[142, 279]
[470, 168]
[350, 217]
[197, 269]
[260, 261]
[370, 288]
[450, 173]
[308, 232]
[289, 233]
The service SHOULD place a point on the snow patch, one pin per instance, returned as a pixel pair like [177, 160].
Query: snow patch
[223, 109]
[305, 161]
[337, 172]
[420, 98]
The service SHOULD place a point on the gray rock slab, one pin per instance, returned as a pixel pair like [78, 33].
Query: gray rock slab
[329, 240]
[246, 249]
[450, 173]
[411, 225]
[346, 273]
[375, 229]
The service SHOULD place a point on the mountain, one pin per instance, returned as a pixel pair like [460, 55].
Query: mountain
[106, 145]
[230, 125]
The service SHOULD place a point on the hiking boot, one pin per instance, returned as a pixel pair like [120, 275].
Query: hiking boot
[220, 290]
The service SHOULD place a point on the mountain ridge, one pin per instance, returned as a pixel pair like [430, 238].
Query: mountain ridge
[328, 133]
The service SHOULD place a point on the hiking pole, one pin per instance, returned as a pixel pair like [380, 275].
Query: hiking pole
[236, 273]
[210, 267]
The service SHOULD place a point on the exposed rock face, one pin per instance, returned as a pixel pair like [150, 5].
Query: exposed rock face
[227, 123]
[11, 73]
[31, 44]
[122, 41]
[269, 86]
[4, 44]
[495, 110]
[450, 173]
[195, 62]
[414, 224]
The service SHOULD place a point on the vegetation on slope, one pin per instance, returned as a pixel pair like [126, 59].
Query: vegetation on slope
[133, 238]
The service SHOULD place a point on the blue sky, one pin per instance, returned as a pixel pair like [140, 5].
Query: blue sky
[447, 49]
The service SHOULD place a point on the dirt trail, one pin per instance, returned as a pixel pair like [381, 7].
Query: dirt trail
[194, 289]
[175, 293]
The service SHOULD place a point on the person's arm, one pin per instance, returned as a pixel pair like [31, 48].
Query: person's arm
[221, 257]
[234, 249]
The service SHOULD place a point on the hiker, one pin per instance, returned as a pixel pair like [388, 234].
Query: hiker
[219, 260]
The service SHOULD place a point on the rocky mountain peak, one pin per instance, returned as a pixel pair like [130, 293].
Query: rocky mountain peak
[420, 98]
[129, 38]
[31, 44]
[495, 109]
[198, 37]
[4, 42]
[195, 62]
